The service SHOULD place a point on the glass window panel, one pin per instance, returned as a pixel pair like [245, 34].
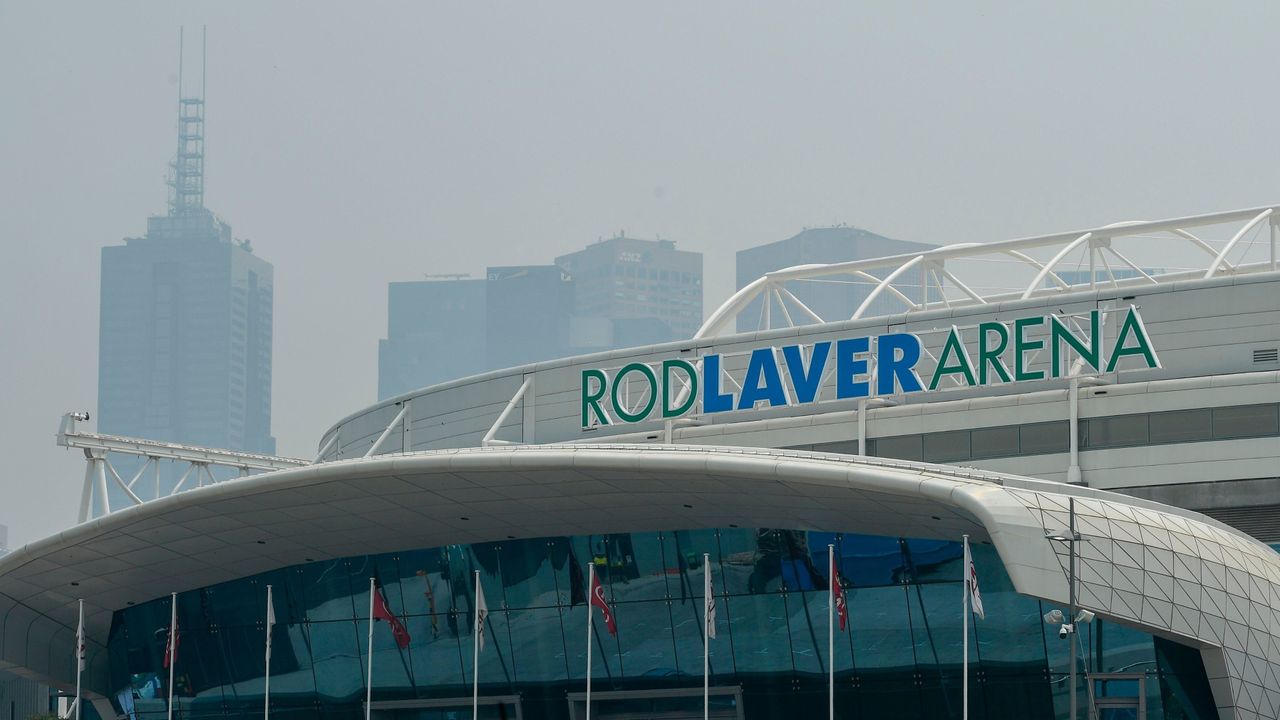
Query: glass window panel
[758, 635]
[1040, 438]
[902, 447]
[807, 623]
[1245, 421]
[540, 643]
[1117, 431]
[740, 564]
[946, 446]
[337, 659]
[1181, 426]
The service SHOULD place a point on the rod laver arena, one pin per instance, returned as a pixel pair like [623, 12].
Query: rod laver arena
[739, 525]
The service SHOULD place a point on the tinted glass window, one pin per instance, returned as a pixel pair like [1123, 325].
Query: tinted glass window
[946, 446]
[902, 447]
[1117, 431]
[1181, 426]
[995, 442]
[1246, 421]
[1050, 437]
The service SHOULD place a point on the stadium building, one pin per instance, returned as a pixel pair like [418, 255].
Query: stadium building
[1003, 403]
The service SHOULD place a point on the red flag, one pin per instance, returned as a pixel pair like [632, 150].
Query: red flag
[837, 595]
[597, 600]
[171, 640]
[381, 611]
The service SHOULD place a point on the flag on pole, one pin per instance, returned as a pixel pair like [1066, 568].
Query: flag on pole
[482, 614]
[80, 645]
[837, 595]
[171, 641]
[709, 599]
[271, 621]
[382, 611]
[597, 600]
[971, 582]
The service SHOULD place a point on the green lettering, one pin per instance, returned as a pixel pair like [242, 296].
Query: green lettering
[1133, 326]
[1020, 347]
[667, 366]
[960, 364]
[990, 356]
[590, 400]
[1060, 333]
[619, 407]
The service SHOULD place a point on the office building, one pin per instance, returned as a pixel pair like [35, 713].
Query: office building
[184, 350]
[626, 278]
[435, 333]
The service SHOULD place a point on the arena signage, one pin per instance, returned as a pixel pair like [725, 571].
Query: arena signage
[863, 367]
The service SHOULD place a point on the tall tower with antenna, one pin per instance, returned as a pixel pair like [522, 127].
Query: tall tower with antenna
[186, 183]
[184, 349]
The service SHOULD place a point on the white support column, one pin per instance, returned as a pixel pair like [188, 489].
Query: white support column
[1073, 403]
[100, 471]
[86, 493]
[406, 441]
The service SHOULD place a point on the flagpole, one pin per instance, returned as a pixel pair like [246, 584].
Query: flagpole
[964, 620]
[266, 690]
[475, 654]
[831, 633]
[706, 636]
[591, 588]
[368, 691]
[173, 658]
[79, 657]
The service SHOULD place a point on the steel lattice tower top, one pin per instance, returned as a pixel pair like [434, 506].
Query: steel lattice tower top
[186, 182]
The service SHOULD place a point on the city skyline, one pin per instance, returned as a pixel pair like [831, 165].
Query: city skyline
[358, 148]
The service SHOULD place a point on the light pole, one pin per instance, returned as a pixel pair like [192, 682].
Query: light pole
[1068, 631]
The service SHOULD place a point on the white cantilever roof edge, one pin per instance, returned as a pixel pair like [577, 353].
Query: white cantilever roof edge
[1169, 571]
[929, 269]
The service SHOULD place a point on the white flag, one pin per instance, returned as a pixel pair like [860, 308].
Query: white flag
[80, 645]
[482, 612]
[271, 621]
[971, 583]
[710, 601]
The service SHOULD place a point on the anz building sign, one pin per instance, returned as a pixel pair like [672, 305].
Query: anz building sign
[866, 367]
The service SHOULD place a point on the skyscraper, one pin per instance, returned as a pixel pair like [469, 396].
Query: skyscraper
[834, 298]
[435, 333]
[628, 279]
[184, 350]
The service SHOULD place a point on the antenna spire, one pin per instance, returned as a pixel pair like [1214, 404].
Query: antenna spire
[187, 183]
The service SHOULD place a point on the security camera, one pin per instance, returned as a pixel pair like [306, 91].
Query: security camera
[1065, 630]
[80, 416]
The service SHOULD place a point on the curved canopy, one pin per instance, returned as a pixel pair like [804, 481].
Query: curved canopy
[387, 503]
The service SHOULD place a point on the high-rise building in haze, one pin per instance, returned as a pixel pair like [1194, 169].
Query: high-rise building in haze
[184, 350]
[626, 278]
[619, 292]
[435, 333]
[832, 299]
[528, 313]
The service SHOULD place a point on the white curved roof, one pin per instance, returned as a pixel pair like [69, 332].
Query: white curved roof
[1169, 571]
[1122, 254]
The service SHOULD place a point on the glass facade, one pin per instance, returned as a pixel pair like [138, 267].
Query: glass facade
[901, 657]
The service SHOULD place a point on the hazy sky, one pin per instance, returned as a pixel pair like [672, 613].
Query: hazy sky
[361, 143]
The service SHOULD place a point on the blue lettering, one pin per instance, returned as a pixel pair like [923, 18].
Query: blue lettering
[762, 381]
[849, 366]
[713, 401]
[806, 382]
[891, 366]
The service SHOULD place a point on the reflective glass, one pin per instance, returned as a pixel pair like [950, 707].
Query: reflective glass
[901, 656]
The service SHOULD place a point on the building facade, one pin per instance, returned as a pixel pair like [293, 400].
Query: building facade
[1067, 430]
[435, 332]
[626, 278]
[184, 350]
